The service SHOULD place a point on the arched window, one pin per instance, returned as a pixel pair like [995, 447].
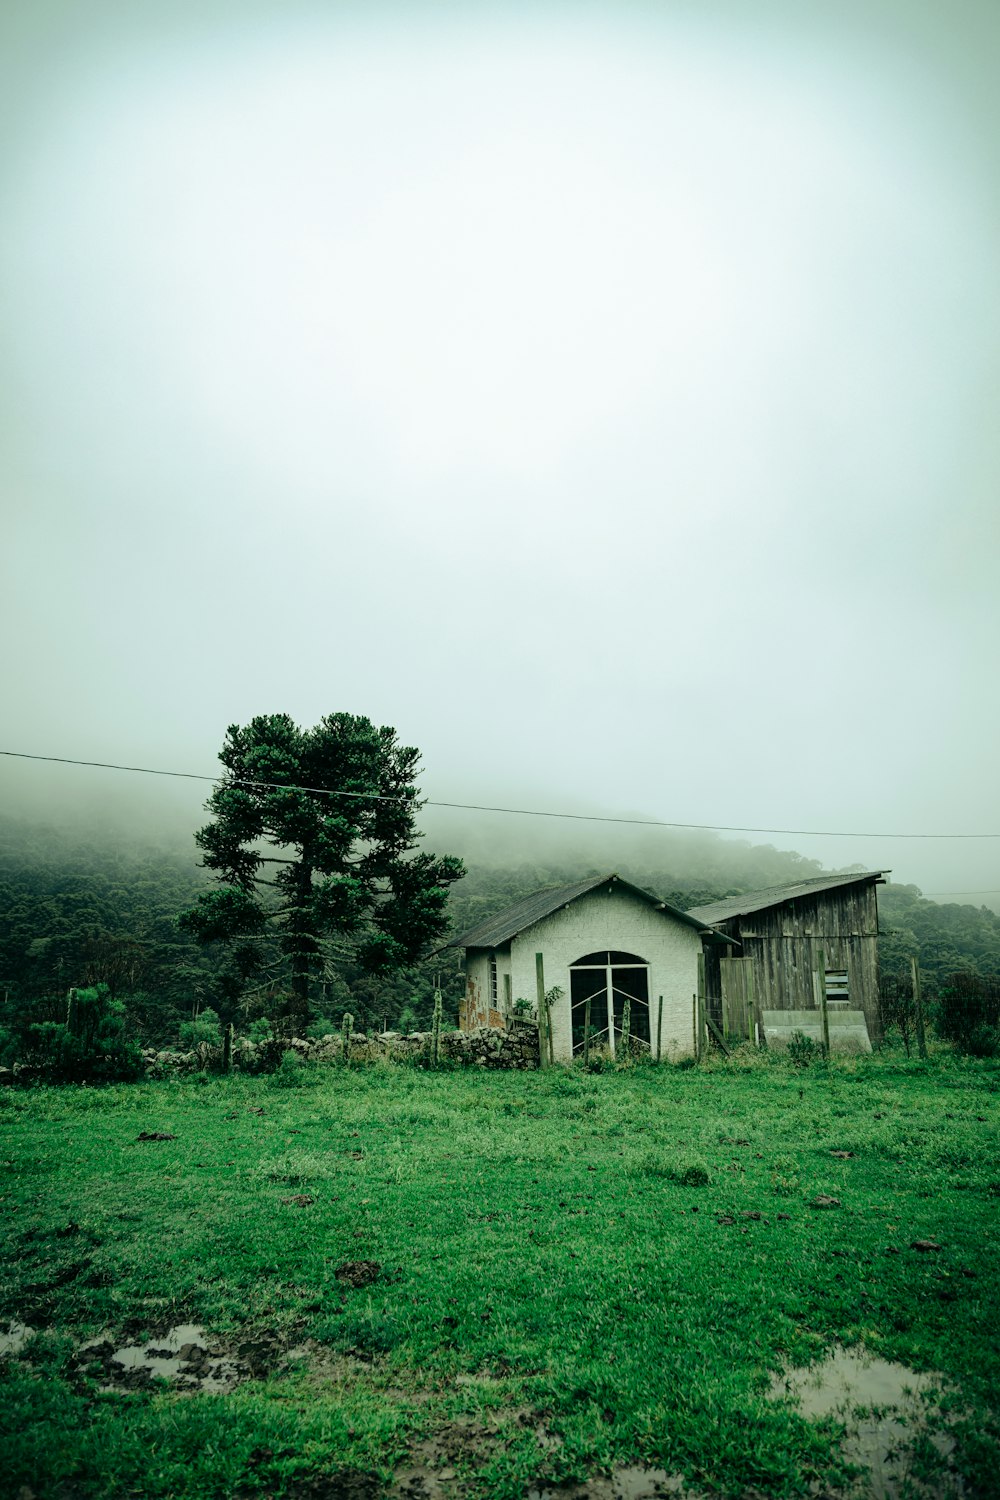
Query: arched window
[599, 985]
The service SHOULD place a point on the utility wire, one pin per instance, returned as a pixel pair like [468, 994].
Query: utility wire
[994, 892]
[523, 812]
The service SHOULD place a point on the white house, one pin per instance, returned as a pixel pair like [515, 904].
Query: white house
[601, 940]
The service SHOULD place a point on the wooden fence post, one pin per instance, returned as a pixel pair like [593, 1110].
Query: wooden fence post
[508, 1003]
[918, 1005]
[821, 998]
[659, 1029]
[543, 1019]
[586, 1032]
[694, 1025]
[702, 1034]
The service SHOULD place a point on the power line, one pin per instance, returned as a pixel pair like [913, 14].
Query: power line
[522, 812]
[994, 892]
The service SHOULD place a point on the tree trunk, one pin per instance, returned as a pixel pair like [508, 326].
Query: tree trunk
[303, 946]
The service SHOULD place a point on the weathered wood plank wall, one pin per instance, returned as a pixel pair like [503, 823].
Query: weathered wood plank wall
[783, 943]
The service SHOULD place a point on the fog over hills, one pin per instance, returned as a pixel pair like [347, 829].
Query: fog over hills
[601, 396]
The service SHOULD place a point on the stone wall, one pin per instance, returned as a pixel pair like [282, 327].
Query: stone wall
[485, 1047]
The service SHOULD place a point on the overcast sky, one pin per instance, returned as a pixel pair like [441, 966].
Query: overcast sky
[605, 395]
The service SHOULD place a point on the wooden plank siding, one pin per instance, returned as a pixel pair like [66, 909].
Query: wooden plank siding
[737, 997]
[783, 942]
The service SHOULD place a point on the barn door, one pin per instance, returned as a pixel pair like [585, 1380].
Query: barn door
[737, 996]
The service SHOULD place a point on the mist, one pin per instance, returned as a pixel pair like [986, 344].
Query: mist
[602, 397]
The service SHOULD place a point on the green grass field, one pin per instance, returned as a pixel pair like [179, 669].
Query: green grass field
[557, 1294]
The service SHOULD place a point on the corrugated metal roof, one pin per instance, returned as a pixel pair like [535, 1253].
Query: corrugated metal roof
[500, 929]
[776, 895]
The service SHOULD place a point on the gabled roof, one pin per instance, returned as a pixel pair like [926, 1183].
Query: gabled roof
[500, 929]
[777, 895]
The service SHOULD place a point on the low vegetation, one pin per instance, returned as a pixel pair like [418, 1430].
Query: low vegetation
[491, 1281]
[83, 910]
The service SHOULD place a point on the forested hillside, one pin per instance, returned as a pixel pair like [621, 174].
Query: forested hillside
[79, 910]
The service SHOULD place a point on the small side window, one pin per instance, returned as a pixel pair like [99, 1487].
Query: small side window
[493, 983]
[838, 992]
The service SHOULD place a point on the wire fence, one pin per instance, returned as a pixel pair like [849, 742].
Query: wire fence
[961, 1008]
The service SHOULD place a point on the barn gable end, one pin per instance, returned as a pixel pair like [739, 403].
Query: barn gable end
[781, 933]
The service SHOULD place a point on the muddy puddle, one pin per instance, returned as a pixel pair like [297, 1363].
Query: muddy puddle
[884, 1411]
[632, 1482]
[182, 1356]
[628, 1483]
[436, 1465]
[14, 1337]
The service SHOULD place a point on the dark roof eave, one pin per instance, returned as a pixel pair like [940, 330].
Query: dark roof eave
[499, 931]
[731, 908]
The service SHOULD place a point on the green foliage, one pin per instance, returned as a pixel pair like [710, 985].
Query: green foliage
[945, 937]
[626, 1028]
[337, 864]
[290, 1072]
[983, 1041]
[90, 1046]
[322, 1026]
[802, 1050]
[408, 1021]
[205, 1029]
[967, 1012]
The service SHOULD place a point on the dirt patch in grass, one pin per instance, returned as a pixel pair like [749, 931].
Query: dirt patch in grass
[629, 1482]
[358, 1273]
[441, 1466]
[186, 1356]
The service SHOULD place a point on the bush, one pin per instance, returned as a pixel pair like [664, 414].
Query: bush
[321, 1027]
[968, 1013]
[292, 1071]
[983, 1041]
[408, 1021]
[263, 1057]
[205, 1028]
[90, 1046]
[801, 1049]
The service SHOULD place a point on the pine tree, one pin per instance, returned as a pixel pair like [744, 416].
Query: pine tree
[313, 835]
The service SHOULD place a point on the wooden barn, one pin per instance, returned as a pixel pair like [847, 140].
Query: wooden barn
[778, 936]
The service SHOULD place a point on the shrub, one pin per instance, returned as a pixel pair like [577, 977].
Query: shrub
[801, 1049]
[90, 1046]
[694, 1175]
[291, 1071]
[408, 1020]
[321, 1027]
[205, 1028]
[983, 1041]
[968, 1010]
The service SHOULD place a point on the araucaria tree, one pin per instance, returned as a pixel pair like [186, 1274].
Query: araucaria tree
[313, 836]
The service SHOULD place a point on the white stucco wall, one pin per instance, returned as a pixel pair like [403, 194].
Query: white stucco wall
[610, 918]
